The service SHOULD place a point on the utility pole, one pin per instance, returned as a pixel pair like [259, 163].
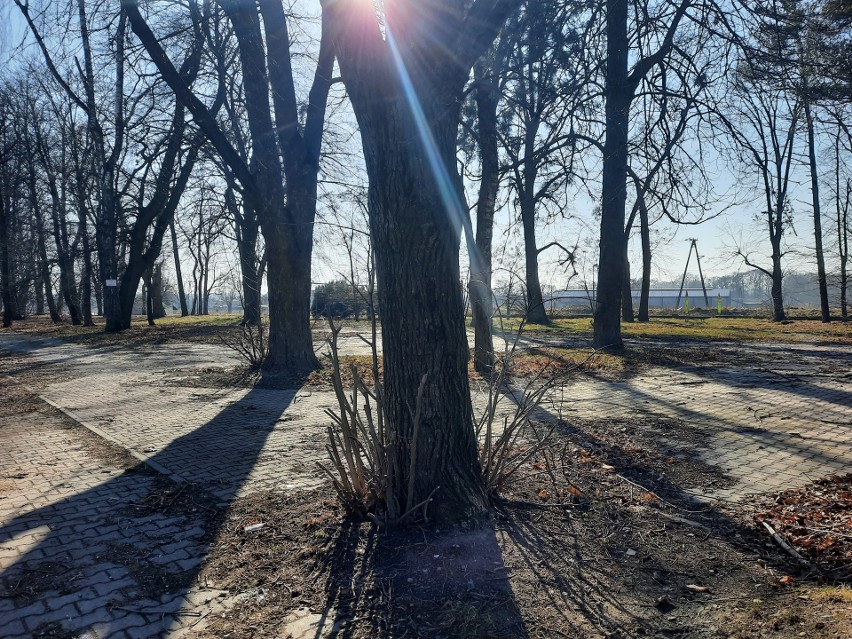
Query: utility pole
[693, 245]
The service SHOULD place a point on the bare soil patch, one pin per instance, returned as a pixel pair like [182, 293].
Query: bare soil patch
[596, 539]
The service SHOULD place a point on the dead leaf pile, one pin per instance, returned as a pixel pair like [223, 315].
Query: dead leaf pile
[817, 521]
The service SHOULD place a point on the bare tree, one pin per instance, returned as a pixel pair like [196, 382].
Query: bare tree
[620, 85]
[281, 177]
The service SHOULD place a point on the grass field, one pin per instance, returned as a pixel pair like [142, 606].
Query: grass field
[208, 328]
[745, 329]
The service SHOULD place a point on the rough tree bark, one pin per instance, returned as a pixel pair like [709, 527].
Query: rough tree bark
[406, 86]
[607, 317]
[479, 287]
[627, 295]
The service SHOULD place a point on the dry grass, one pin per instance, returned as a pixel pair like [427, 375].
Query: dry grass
[737, 329]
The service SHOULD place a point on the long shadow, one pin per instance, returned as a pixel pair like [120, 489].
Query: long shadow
[592, 580]
[421, 582]
[645, 403]
[747, 377]
[125, 553]
[26, 345]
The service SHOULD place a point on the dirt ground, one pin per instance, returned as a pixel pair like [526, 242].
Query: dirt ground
[572, 550]
[605, 534]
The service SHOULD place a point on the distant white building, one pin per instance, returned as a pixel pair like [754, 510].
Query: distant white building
[657, 297]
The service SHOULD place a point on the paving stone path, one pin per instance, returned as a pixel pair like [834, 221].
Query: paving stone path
[767, 427]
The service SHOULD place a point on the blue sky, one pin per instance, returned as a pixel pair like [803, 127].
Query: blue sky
[715, 237]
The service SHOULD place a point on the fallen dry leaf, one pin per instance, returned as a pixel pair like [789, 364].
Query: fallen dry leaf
[697, 588]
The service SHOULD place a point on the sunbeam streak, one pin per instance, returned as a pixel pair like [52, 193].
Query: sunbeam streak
[455, 209]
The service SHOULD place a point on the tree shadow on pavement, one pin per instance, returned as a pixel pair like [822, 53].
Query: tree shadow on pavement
[124, 553]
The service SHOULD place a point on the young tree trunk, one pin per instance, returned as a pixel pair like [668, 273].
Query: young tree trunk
[825, 310]
[5, 261]
[41, 243]
[184, 310]
[842, 202]
[86, 274]
[645, 231]
[479, 286]
[607, 318]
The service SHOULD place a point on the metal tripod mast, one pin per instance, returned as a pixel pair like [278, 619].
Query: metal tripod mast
[693, 245]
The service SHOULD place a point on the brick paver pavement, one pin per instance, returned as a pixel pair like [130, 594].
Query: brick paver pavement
[767, 428]
[82, 551]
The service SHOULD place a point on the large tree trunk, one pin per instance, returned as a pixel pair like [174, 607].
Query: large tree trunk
[406, 94]
[420, 304]
[627, 295]
[106, 232]
[825, 310]
[778, 313]
[536, 312]
[480, 251]
[607, 319]
[288, 250]
[132, 277]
